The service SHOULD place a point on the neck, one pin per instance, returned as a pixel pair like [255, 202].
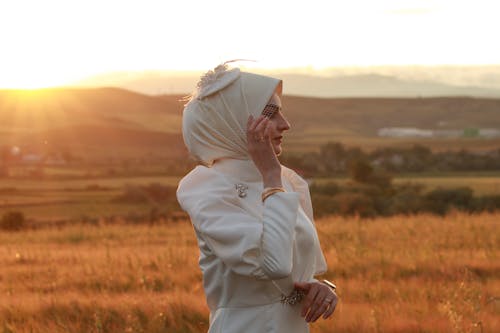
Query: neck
[244, 170]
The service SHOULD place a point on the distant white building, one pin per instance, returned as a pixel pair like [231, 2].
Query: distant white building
[31, 158]
[404, 132]
[412, 132]
[55, 160]
[489, 133]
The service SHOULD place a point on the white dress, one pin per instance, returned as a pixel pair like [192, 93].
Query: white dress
[250, 252]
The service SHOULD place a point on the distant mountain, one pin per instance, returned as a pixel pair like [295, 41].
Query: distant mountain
[359, 85]
[375, 85]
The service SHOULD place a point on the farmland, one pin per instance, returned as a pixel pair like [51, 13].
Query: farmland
[74, 198]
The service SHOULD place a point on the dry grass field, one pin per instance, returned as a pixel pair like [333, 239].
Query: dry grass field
[399, 274]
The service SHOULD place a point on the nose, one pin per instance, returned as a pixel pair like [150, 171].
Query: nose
[283, 125]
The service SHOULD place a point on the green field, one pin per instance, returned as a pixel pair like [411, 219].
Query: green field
[486, 183]
[94, 198]
[74, 199]
[481, 185]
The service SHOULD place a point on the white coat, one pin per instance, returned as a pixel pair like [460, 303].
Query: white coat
[251, 252]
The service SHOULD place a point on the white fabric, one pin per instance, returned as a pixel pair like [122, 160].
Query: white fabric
[250, 252]
[214, 121]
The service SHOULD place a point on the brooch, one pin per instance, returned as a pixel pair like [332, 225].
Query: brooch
[242, 190]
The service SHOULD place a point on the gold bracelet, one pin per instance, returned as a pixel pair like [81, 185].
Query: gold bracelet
[268, 191]
[329, 284]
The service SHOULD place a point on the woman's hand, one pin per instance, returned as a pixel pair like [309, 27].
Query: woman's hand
[320, 300]
[262, 152]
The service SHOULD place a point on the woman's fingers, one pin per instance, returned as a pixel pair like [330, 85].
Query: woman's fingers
[309, 301]
[331, 308]
[257, 130]
[320, 309]
[253, 123]
[260, 130]
[317, 308]
[320, 300]
[327, 306]
[261, 150]
[325, 301]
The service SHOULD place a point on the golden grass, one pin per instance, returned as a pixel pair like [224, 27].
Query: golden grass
[399, 274]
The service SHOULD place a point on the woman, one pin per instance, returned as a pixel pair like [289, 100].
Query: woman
[259, 249]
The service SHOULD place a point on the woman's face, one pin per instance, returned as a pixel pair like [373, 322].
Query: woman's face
[277, 123]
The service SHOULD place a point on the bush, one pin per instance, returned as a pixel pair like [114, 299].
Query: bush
[12, 221]
[152, 193]
[488, 203]
[441, 200]
[322, 205]
[407, 200]
[330, 188]
[349, 203]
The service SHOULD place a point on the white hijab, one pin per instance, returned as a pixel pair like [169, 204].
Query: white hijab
[215, 119]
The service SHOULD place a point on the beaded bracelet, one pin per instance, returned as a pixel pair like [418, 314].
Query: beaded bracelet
[268, 191]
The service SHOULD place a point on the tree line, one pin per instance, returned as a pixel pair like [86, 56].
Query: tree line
[335, 159]
[370, 192]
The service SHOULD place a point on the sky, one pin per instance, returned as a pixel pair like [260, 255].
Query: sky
[47, 43]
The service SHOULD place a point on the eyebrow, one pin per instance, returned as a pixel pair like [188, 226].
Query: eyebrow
[270, 109]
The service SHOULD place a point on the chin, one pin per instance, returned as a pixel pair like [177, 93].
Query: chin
[277, 150]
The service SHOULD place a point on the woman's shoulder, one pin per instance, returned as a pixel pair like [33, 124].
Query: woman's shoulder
[201, 178]
[198, 174]
[201, 184]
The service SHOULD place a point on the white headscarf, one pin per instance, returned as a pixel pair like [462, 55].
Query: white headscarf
[215, 119]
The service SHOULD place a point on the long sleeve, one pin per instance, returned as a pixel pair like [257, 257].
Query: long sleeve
[246, 244]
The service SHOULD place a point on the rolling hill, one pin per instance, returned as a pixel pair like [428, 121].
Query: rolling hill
[116, 122]
[104, 122]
